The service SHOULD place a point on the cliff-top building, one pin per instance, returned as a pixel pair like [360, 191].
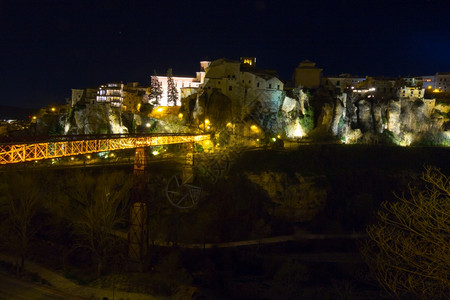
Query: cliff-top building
[411, 92]
[307, 75]
[442, 82]
[111, 93]
[251, 91]
[133, 96]
[182, 82]
[84, 96]
[339, 84]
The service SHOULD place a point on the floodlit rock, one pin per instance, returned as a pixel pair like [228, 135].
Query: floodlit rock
[326, 116]
[393, 116]
[95, 119]
[290, 104]
[365, 115]
[294, 130]
[338, 115]
[378, 120]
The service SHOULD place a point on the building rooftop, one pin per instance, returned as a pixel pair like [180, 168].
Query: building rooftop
[266, 74]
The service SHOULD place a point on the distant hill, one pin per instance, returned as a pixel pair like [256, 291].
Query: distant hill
[10, 112]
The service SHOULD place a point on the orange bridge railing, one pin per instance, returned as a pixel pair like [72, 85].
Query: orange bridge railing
[67, 146]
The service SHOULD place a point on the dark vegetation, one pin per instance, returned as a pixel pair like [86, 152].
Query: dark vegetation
[10, 112]
[357, 179]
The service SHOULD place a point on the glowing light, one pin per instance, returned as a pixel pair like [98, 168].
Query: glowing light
[139, 107]
[248, 61]
[88, 156]
[430, 87]
[436, 91]
[147, 125]
[112, 155]
[34, 117]
[159, 109]
[206, 121]
[53, 109]
[180, 116]
[254, 127]
[274, 139]
[71, 158]
[407, 140]
[298, 131]
[229, 124]
[155, 152]
[279, 136]
[208, 127]
[257, 140]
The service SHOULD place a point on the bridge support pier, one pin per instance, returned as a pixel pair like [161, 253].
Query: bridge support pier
[188, 169]
[138, 232]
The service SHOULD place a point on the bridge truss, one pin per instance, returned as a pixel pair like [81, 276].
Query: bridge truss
[75, 145]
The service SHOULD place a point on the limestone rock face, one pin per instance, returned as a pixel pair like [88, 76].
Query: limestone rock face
[263, 109]
[96, 119]
[365, 115]
[298, 199]
[289, 105]
[393, 116]
[288, 118]
[412, 116]
[326, 116]
[338, 115]
[378, 119]
[351, 116]
[219, 109]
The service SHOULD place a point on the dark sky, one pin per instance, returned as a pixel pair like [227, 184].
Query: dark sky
[49, 47]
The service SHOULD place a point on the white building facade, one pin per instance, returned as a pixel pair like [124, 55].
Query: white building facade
[182, 82]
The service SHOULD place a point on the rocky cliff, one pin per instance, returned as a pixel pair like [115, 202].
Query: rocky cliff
[297, 198]
[94, 119]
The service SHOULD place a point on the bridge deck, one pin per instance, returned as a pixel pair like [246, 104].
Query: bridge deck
[75, 145]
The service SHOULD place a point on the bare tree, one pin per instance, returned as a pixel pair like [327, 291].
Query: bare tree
[408, 250]
[103, 207]
[19, 204]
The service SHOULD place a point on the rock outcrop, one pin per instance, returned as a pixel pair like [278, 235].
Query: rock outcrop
[94, 119]
[297, 199]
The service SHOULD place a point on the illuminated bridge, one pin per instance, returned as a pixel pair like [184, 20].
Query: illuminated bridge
[60, 146]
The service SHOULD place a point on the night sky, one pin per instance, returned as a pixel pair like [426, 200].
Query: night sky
[49, 47]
